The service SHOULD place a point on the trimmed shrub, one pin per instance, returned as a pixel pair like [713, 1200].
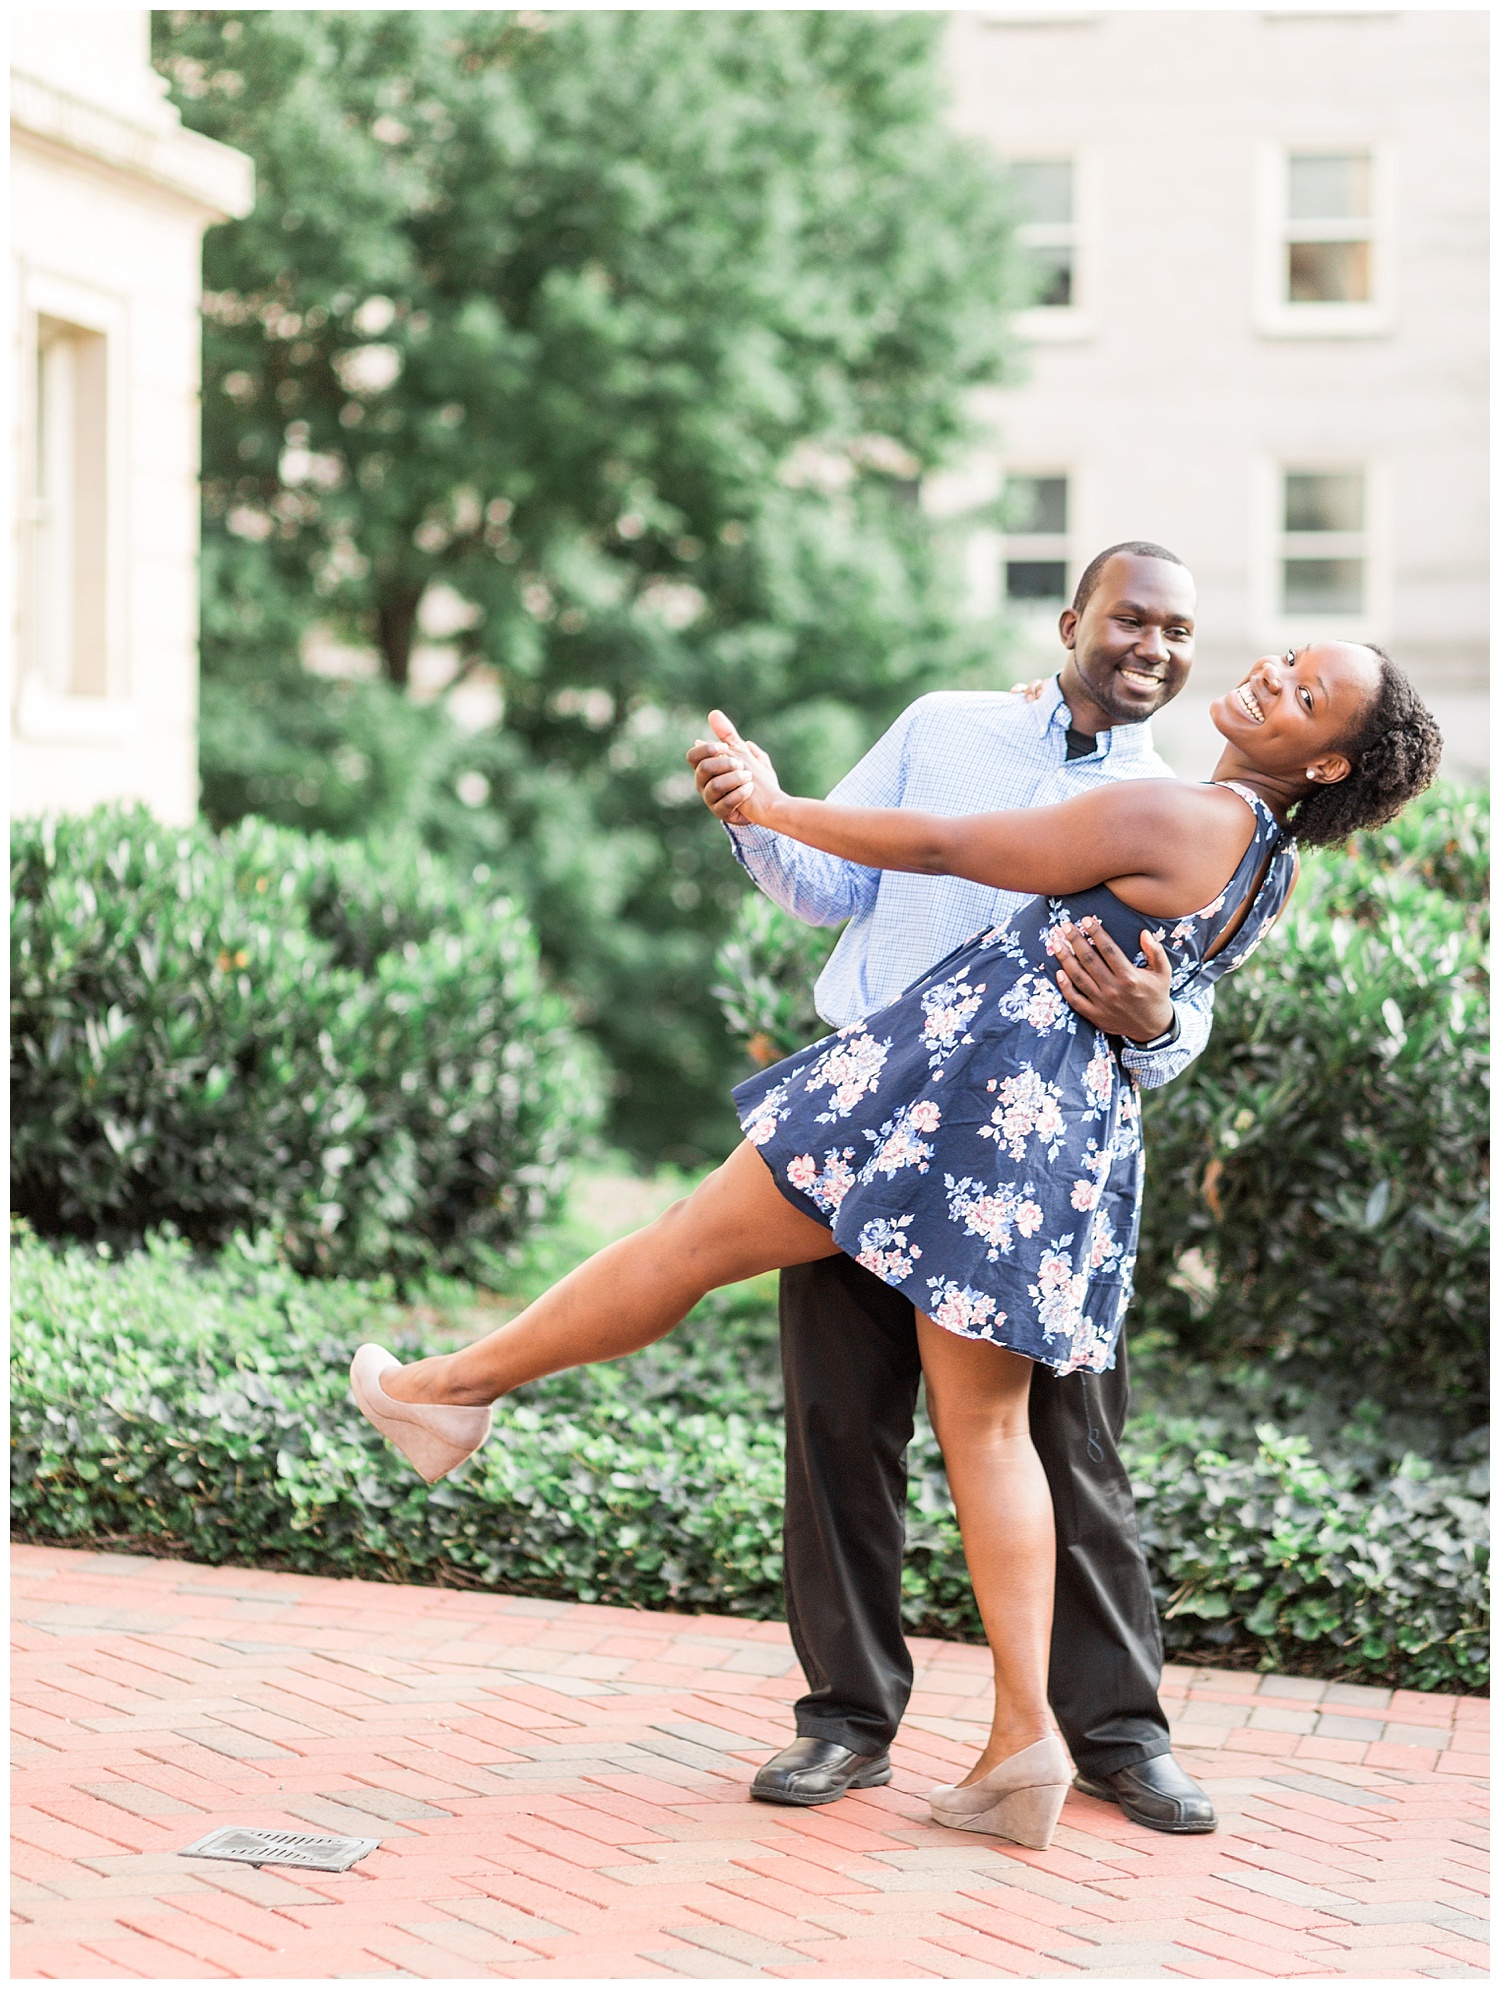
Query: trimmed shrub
[767, 968]
[265, 1030]
[204, 1411]
[1316, 1186]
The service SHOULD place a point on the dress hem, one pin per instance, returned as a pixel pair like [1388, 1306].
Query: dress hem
[799, 1202]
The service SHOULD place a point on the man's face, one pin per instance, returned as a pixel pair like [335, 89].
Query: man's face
[1133, 644]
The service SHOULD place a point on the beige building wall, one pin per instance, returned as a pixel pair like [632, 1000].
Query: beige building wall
[110, 198]
[1176, 385]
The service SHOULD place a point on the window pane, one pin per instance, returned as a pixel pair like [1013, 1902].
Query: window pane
[1052, 275]
[1324, 501]
[54, 510]
[1036, 504]
[1323, 586]
[68, 606]
[1036, 580]
[1333, 186]
[1328, 273]
[1044, 189]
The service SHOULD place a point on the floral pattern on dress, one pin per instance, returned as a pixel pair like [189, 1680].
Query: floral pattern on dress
[825, 1186]
[1237, 956]
[1090, 1185]
[1059, 1291]
[1000, 939]
[996, 1214]
[760, 1125]
[1099, 1075]
[961, 1309]
[899, 1143]
[988, 1160]
[1028, 1108]
[1104, 1245]
[885, 1248]
[1036, 1002]
[1128, 1122]
[1094, 1343]
[948, 1010]
[852, 1066]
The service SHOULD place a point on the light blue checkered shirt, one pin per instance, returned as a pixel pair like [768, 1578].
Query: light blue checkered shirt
[951, 753]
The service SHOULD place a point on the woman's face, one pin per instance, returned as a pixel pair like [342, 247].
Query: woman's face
[1291, 713]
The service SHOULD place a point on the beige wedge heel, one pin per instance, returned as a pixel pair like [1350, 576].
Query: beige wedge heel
[433, 1437]
[1020, 1800]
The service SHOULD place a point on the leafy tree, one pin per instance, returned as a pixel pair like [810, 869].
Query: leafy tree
[625, 338]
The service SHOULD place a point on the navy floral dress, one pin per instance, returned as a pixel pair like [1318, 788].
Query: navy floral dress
[977, 1144]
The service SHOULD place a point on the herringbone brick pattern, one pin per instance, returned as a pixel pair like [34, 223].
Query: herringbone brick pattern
[562, 1790]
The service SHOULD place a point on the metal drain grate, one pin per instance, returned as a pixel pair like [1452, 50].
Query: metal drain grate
[283, 1847]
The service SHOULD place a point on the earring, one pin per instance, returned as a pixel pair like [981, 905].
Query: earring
[1312, 773]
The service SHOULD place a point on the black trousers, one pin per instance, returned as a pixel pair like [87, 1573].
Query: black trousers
[849, 1350]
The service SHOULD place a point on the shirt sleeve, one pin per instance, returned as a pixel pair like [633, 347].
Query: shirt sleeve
[814, 887]
[1195, 1021]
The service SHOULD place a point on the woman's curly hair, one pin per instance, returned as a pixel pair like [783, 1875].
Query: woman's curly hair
[1393, 755]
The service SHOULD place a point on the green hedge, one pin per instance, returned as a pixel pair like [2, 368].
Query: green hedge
[265, 1030]
[766, 970]
[1316, 1185]
[204, 1411]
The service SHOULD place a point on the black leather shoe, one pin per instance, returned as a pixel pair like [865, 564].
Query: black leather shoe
[1157, 1793]
[818, 1771]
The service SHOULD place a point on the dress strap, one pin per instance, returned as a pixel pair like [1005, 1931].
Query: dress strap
[1248, 794]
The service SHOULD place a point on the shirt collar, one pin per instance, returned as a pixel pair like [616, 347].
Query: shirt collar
[1049, 709]
[1128, 742]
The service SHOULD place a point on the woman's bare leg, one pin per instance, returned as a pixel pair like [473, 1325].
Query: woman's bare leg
[735, 1224]
[977, 1395]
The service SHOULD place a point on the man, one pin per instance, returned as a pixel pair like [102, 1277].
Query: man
[849, 1344]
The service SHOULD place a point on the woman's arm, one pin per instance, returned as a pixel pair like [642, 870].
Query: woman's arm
[1093, 839]
[1165, 845]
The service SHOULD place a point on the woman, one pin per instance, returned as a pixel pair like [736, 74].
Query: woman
[976, 1144]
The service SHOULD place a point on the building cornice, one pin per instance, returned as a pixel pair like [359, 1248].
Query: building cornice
[200, 170]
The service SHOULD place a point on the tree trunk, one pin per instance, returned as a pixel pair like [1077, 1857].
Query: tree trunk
[395, 621]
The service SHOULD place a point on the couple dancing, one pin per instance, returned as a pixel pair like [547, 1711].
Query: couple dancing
[951, 1184]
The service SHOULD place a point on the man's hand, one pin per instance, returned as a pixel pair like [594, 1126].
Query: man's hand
[1100, 983]
[733, 775]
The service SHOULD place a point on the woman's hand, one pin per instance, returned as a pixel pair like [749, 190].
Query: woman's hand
[735, 777]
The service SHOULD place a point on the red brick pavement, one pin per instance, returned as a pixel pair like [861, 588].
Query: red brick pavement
[562, 1791]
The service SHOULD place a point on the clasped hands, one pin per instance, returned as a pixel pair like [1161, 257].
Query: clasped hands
[735, 777]
[738, 783]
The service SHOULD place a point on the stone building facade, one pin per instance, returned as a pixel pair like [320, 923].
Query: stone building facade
[1260, 334]
[110, 198]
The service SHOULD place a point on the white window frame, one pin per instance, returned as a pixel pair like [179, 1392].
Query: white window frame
[1272, 627]
[1057, 323]
[1275, 315]
[1039, 546]
[42, 710]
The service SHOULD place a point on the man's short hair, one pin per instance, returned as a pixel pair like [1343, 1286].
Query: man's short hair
[1088, 580]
